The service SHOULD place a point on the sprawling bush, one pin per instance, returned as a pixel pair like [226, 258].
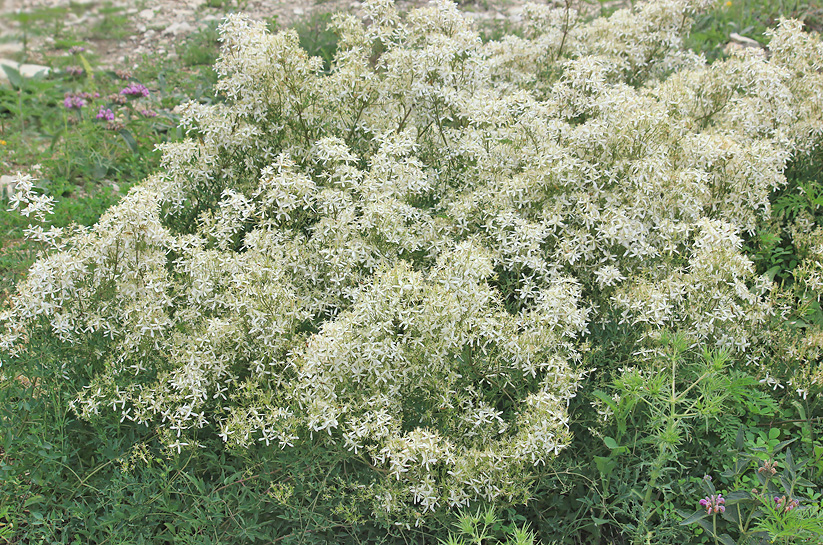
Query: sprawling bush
[412, 262]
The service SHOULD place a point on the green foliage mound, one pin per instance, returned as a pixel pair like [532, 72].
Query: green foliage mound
[392, 288]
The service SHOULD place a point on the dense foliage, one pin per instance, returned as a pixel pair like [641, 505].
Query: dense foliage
[444, 273]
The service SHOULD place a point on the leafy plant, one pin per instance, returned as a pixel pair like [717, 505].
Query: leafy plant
[772, 510]
[486, 528]
[414, 275]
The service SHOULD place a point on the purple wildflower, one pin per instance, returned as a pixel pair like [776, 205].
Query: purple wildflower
[713, 504]
[786, 506]
[148, 113]
[135, 89]
[106, 114]
[75, 49]
[74, 70]
[79, 100]
[74, 101]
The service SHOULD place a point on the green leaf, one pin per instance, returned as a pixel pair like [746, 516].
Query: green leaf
[605, 465]
[55, 138]
[127, 136]
[611, 443]
[783, 444]
[726, 539]
[605, 398]
[772, 272]
[694, 517]
[34, 500]
[737, 496]
[774, 433]
[740, 440]
[787, 485]
[86, 66]
[731, 514]
[740, 465]
[14, 76]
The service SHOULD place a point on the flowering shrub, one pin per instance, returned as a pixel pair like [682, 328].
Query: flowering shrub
[405, 260]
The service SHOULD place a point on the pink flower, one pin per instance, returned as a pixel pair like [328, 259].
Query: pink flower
[135, 89]
[106, 114]
[714, 504]
[74, 101]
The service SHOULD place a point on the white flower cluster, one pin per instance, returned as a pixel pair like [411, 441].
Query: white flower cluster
[401, 258]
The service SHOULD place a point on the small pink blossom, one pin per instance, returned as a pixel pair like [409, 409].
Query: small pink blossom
[135, 89]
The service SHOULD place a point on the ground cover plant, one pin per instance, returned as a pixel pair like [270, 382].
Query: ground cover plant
[90, 132]
[561, 285]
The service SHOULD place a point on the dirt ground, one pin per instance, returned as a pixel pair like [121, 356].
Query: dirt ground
[154, 26]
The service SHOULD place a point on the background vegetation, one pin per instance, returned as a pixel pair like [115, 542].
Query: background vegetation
[70, 481]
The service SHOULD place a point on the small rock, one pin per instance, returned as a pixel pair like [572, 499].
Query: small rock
[743, 40]
[7, 184]
[9, 48]
[298, 11]
[146, 14]
[175, 29]
[26, 70]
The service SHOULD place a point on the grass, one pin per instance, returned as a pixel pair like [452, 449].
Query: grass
[749, 18]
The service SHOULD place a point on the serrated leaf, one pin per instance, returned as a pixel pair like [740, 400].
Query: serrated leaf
[787, 485]
[737, 496]
[708, 486]
[706, 525]
[694, 517]
[726, 539]
[740, 466]
[731, 513]
[605, 398]
[783, 444]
